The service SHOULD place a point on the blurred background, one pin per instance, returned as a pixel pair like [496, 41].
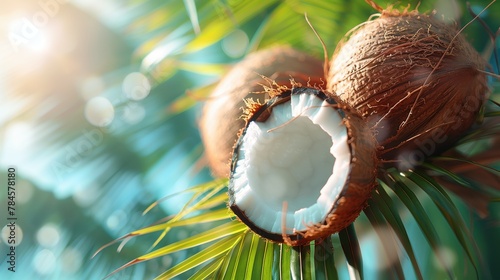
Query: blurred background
[95, 118]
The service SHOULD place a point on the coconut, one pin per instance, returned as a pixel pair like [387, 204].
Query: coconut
[416, 80]
[303, 167]
[221, 118]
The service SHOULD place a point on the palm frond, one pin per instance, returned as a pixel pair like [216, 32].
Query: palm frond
[385, 205]
[390, 245]
[207, 254]
[352, 251]
[412, 203]
[324, 258]
[450, 213]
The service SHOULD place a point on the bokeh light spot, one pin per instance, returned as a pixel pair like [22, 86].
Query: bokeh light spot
[99, 111]
[444, 258]
[44, 262]
[17, 143]
[136, 86]
[84, 197]
[12, 237]
[167, 261]
[24, 191]
[48, 235]
[71, 260]
[448, 10]
[235, 44]
[116, 220]
[134, 113]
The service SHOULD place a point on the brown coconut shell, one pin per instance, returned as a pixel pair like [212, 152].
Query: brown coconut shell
[358, 186]
[221, 119]
[415, 79]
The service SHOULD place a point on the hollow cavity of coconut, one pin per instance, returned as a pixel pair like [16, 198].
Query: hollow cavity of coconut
[221, 118]
[415, 79]
[302, 169]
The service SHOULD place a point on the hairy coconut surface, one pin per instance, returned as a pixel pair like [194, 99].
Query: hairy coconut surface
[221, 118]
[414, 78]
[302, 169]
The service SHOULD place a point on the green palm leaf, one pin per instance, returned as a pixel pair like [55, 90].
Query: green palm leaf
[229, 229]
[388, 240]
[324, 260]
[231, 270]
[352, 251]
[385, 205]
[413, 204]
[282, 261]
[450, 212]
[267, 261]
[208, 270]
[209, 253]
[254, 253]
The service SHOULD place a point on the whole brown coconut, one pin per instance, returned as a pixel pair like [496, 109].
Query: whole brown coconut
[221, 119]
[416, 80]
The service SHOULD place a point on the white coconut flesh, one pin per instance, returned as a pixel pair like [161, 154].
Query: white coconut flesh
[300, 156]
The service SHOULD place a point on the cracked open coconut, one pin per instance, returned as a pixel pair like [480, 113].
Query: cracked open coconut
[302, 169]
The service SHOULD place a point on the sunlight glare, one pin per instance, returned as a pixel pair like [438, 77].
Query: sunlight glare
[23, 35]
[17, 142]
[40, 44]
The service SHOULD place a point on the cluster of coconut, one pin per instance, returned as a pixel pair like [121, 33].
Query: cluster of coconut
[302, 148]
